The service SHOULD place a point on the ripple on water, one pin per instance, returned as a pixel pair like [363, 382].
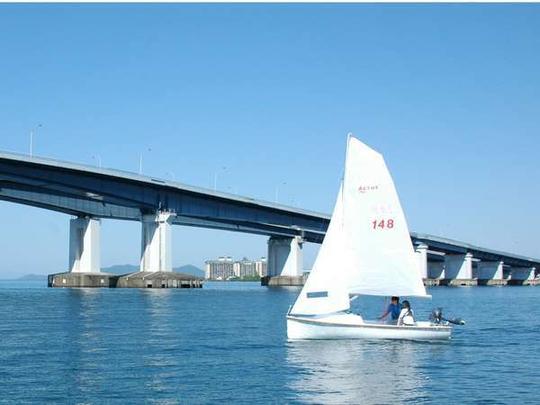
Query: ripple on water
[226, 343]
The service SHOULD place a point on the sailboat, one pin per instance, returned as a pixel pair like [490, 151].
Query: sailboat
[367, 250]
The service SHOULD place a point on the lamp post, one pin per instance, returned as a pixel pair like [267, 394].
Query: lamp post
[32, 138]
[97, 158]
[223, 168]
[141, 159]
[277, 190]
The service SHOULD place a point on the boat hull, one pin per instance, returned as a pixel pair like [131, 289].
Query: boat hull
[350, 326]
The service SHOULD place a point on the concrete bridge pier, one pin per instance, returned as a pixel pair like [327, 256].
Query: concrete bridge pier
[421, 254]
[156, 257]
[458, 270]
[425, 266]
[156, 242]
[522, 275]
[490, 273]
[285, 262]
[84, 245]
[435, 272]
[84, 257]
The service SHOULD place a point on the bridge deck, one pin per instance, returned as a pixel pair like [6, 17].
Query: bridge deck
[83, 190]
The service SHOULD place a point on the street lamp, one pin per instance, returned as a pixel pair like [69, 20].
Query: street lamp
[32, 138]
[223, 168]
[277, 190]
[97, 158]
[141, 159]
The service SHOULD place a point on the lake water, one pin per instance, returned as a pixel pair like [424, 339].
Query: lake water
[226, 343]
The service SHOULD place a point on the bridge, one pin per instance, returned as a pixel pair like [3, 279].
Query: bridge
[90, 194]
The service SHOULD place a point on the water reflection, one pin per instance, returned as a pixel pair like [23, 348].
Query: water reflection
[87, 351]
[159, 353]
[357, 372]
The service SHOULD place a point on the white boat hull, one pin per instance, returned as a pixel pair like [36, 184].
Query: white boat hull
[351, 326]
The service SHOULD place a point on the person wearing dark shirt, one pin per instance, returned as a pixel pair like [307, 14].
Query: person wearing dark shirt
[393, 310]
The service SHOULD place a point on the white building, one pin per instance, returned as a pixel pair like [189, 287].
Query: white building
[225, 268]
[261, 266]
[220, 269]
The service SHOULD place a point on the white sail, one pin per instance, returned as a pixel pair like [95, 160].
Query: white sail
[367, 248]
[381, 255]
[325, 290]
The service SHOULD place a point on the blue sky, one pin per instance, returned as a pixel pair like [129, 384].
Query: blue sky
[448, 93]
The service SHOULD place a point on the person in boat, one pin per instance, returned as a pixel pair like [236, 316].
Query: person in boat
[406, 316]
[393, 310]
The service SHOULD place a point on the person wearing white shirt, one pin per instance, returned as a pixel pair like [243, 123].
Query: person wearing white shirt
[406, 316]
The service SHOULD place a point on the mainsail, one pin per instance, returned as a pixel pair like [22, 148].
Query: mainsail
[367, 248]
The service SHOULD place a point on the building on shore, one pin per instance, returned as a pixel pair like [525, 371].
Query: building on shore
[220, 269]
[225, 268]
[261, 266]
[245, 268]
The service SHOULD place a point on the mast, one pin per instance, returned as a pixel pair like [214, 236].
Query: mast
[349, 136]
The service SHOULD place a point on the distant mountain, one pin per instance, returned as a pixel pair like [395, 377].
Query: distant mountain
[121, 269]
[190, 269]
[131, 268]
[33, 277]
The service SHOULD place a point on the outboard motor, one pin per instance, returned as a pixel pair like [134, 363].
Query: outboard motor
[436, 317]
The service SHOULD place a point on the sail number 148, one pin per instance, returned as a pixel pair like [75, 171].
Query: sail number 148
[383, 223]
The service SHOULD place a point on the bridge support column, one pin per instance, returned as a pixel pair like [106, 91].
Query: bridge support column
[435, 271]
[521, 275]
[156, 242]
[458, 270]
[285, 262]
[84, 245]
[84, 257]
[156, 257]
[491, 273]
[421, 254]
